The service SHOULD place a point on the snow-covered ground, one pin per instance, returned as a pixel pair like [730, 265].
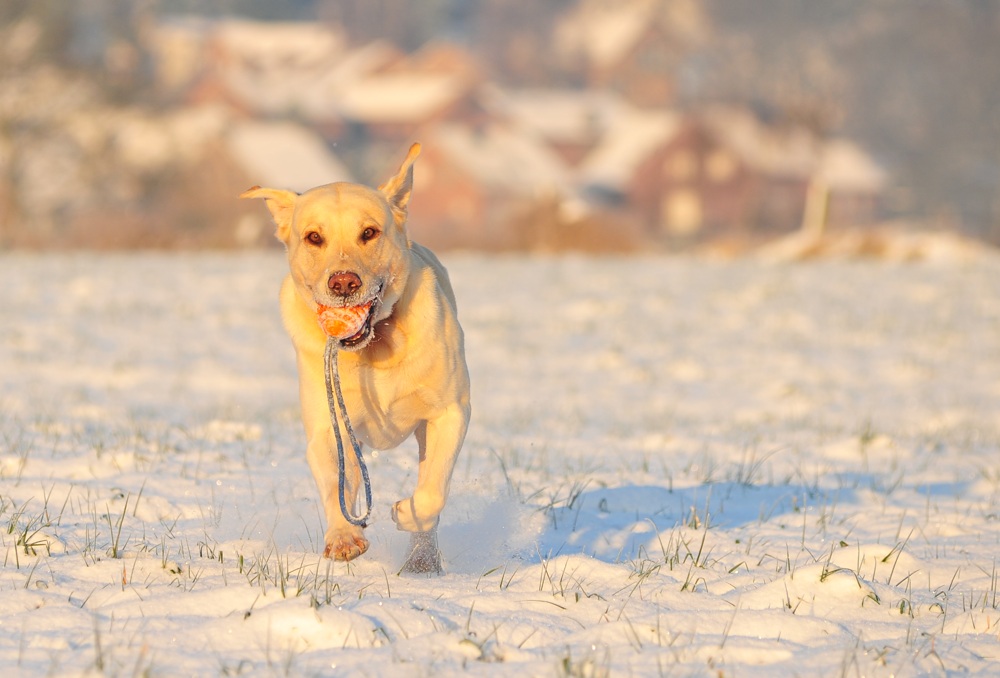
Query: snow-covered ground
[676, 467]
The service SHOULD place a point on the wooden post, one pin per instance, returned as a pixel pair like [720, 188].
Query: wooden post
[816, 212]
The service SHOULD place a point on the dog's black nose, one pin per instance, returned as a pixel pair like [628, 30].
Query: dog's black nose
[344, 283]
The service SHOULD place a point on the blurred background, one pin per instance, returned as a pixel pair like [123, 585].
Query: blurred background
[600, 125]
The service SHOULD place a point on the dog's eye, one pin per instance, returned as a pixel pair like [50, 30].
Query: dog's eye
[314, 238]
[369, 234]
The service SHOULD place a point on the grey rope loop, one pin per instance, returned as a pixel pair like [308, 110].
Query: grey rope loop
[333, 386]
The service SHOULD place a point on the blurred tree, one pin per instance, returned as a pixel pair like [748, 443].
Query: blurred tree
[515, 38]
[926, 94]
[407, 24]
[917, 82]
[54, 27]
[264, 10]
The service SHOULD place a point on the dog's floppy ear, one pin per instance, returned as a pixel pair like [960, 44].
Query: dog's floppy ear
[397, 190]
[281, 204]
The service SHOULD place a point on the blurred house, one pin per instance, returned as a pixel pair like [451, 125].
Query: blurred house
[264, 69]
[613, 172]
[259, 67]
[779, 171]
[570, 121]
[751, 177]
[473, 184]
[722, 172]
[394, 106]
[439, 83]
[309, 71]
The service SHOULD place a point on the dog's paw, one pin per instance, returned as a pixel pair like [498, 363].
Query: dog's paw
[411, 517]
[425, 557]
[345, 545]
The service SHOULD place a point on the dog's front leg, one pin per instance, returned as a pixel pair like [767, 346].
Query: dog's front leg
[344, 541]
[440, 441]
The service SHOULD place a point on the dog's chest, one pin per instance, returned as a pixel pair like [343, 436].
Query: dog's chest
[384, 410]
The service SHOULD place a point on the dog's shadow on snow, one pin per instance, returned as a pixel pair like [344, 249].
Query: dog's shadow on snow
[611, 524]
[616, 524]
[620, 523]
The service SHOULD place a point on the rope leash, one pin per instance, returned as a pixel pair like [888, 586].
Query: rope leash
[333, 386]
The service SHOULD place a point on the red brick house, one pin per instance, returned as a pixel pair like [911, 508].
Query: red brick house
[722, 172]
[472, 184]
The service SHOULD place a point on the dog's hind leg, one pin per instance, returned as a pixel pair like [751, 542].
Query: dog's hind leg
[440, 441]
[424, 557]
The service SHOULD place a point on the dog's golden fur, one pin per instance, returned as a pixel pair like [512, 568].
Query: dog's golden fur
[406, 374]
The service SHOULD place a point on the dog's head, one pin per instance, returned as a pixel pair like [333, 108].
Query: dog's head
[347, 244]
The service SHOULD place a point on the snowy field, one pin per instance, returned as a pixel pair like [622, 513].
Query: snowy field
[676, 467]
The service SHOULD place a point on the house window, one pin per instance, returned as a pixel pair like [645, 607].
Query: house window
[681, 212]
[720, 166]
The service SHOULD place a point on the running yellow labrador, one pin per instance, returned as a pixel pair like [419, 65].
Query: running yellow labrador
[387, 301]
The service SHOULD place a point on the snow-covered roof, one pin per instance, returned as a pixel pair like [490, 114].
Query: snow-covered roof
[795, 152]
[284, 155]
[843, 165]
[322, 98]
[603, 32]
[634, 134]
[789, 152]
[273, 68]
[573, 116]
[280, 45]
[500, 157]
[314, 92]
[276, 68]
[362, 61]
[399, 97]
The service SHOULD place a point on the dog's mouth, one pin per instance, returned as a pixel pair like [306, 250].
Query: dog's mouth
[351, 326]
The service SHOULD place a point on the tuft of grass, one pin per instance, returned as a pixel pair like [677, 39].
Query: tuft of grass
[564, 499]
[26, 529]
[594, 664]
[117, 547]
[749, 470]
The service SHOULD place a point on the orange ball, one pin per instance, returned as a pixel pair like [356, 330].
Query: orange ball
[343, 322]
